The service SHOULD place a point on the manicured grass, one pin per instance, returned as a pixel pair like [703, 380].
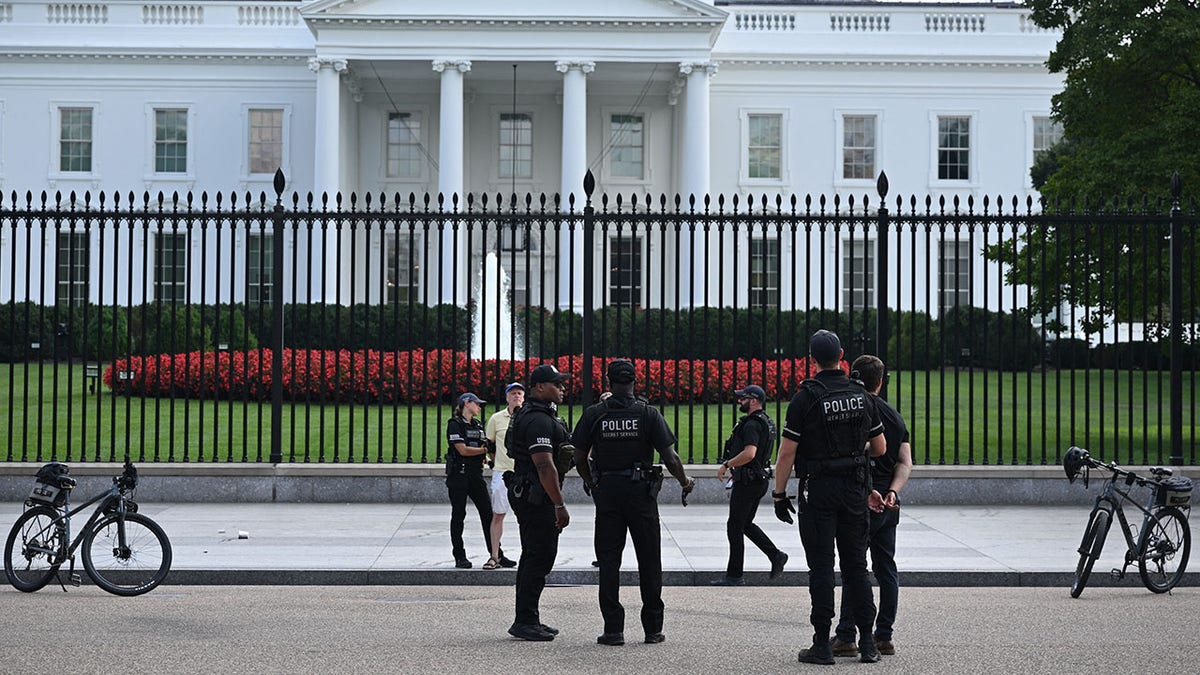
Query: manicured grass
[976, 418]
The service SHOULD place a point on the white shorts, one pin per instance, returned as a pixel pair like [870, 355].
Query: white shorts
[499, 493]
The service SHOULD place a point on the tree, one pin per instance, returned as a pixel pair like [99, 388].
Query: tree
[1130, 110]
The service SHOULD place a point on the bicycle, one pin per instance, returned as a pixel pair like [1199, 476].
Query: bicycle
[1160, 547]
[123, 551]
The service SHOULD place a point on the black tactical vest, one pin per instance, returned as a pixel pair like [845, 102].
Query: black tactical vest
[516, 438]
[843, 413]
[620, 437]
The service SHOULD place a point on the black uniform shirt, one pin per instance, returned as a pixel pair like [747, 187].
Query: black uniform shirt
[756, 429]
[895, 433]
[535, 429]
[623, 431]
[470, 433]
[805, 422]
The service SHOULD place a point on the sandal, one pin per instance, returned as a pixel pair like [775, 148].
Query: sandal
[491, 564]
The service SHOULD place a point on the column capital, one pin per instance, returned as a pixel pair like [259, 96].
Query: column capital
[463, 65]
[566, 65]
[316, 63]
[688, 67]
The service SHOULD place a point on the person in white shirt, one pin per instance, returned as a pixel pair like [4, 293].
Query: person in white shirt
[497, 426]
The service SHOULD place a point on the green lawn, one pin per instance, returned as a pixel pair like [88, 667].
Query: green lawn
[979, 418]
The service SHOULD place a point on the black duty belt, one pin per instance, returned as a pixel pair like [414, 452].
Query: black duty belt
[622, 473]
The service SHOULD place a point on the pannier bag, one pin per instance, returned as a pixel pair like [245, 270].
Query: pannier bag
[1175, 491]
[46, 488]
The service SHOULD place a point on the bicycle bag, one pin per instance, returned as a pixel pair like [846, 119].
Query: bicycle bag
[1175, 491]
[46, 489]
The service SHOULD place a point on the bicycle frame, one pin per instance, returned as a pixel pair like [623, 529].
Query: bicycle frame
[113, 494]
[1134, 549]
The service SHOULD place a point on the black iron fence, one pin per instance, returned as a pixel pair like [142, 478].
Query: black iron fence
[298, 329]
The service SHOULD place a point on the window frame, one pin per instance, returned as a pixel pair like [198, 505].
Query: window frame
[390, 243]
[606, 115]
[943, 271]
[1031, 118]
[72, 282]
[151, 173]
[839, 139]
[497, 116]
[637, 251]
[265, 275]
[767, 274]
[180, 284]
[422, 114]
[974, 133]
[55, 165]
[744, 179]
[285, 159]
[846, 289]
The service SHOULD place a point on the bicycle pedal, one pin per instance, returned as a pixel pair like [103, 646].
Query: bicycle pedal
[1117, 574]
[75, 580]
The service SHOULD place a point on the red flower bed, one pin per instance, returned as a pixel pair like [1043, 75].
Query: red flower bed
[421, 376]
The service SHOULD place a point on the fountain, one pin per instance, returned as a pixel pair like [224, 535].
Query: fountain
[490, 317]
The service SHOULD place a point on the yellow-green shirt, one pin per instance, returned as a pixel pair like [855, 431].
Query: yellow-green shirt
[497, 425]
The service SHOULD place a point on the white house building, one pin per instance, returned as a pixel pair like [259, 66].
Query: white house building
[460, 97]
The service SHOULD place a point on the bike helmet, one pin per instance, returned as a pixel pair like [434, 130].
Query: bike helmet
[1074, 462]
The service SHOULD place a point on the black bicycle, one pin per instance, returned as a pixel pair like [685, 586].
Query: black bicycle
[124, 552]
[1160, 547]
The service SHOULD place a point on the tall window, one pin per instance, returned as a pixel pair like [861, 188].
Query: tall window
[954, 148]
[764, 272]
[266, 140]
[75, 140]
[71, 269]
[1046, 132]
[514, 234]
[402, 251]
[516, 145]
[858, 274]
[858, 146]
[954, 274]
[260, 267]
[625, 271]
[627, 154]
[170, 140]
[170, 267]
[404, 145]
[765, 146]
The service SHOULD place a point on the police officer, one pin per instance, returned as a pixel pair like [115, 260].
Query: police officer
[621, 434]
[747, 460]
[889, 474]
[534, 436]
[464, 473]
[832, 425]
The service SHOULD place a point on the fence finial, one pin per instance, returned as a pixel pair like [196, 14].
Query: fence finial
[881, 185]
[280, 183]
[589, 184]
[1176, 186]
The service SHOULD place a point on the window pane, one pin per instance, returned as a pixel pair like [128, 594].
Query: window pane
[1046, 132]
[403, 267]
[404, 150]
[765, 146]
[260, 267]
[954, 274]
[71, 269]
[75, 139]
[170, 141]
[858, 146]
[170, 267]
[516, 146]
[858, 274]
[625, 271]
[764, 272]
[626, 146]
[954, 143]
[266, 140]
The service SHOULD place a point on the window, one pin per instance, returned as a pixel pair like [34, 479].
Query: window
[266, 140]
[75, 140]
[628, 145]
[404, 149]
[260, 267]
[765, 146]
[625, 271]
[403, 267]
[71, 269]
[858, 146]
[514, 235]
[1046, 132]
[170, 267]
[954, 274]
[764, 272]
[170, 140]
[858, 274]
[516, 145]
[954, 148]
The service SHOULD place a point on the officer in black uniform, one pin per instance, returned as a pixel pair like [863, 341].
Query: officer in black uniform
[621, 434]
[464, 473]
[747, 459]
[534, 436]
[832, 426]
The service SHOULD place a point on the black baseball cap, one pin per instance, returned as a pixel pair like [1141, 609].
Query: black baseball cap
[752, 391]
[621, 371]
[469, 396]
[546, 373]
[825, 346]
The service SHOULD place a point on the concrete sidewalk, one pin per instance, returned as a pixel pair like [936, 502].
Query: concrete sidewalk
[409, 544]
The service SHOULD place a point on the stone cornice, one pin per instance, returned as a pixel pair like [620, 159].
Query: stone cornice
[294, 57]
[519, 23]
[833, 62]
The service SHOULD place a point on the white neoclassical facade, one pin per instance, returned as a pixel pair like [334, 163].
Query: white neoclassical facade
[476, 97]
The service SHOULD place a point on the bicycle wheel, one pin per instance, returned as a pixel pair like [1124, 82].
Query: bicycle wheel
[135, 568]
[1089, 549]
[33, 549]
[1165, 554]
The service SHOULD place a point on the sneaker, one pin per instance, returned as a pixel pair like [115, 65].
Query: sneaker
[817, 654]
[505, 562]
[886, 647]
[777, 564]
[462, 563]
[611, 639]
[728, 581]
[868, 652]
[840, 647]
[530, 632]
[548, 629]
[655, 638]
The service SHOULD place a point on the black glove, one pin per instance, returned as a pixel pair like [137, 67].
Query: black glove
[686, 490]
[587, 488]
[783, 507]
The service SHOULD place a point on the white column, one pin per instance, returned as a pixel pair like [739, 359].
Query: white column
[574, 166]
[327, 156]
[450, 175]
[694, 179]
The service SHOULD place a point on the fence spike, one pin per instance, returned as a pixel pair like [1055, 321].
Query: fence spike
[589, 184]
[881, 186]
[1176, 186]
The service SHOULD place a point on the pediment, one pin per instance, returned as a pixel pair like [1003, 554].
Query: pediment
[666, 11]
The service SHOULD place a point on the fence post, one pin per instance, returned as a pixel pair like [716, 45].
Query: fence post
[277, 322]
[881, 274]
[1176, 322]
[589, 268]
